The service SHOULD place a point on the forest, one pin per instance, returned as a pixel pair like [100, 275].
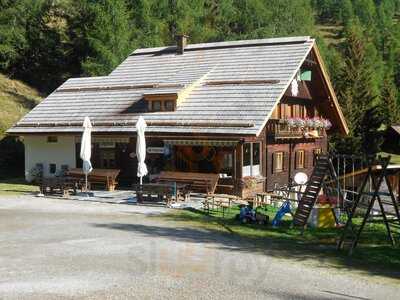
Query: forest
[45, 42]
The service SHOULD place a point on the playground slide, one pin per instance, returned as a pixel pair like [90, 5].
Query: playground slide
[284, 209]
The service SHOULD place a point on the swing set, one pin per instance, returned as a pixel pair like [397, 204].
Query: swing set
[358, 188]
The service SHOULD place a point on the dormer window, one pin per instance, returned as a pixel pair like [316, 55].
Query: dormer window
[169, 105]
[161, 102]
[155, 105]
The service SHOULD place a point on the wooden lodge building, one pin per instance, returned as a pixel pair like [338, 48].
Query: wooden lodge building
[253, 111]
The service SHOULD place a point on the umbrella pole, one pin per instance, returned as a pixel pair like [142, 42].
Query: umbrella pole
[86, 189]
[141, 180]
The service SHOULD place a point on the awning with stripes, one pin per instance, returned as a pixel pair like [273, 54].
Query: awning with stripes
[214, 143]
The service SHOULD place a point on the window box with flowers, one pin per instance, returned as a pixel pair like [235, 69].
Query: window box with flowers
[302, 127]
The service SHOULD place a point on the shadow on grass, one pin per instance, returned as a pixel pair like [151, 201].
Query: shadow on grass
[285, 242]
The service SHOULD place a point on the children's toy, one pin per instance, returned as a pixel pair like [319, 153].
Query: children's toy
[284, 209]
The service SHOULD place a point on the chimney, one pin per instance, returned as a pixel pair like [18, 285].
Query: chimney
[181, 42]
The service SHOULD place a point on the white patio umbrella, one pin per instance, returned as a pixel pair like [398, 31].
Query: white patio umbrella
[86, 149]
[141, 148]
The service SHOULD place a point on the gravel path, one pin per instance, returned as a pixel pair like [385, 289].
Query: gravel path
[63, 249]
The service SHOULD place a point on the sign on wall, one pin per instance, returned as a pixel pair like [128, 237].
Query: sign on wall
[155, 150]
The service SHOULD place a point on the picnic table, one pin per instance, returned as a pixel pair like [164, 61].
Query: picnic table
[223, 201]
[197, 182]
[62, 184]
[108, 177]
[160, 190]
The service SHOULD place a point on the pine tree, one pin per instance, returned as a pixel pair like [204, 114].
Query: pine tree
[356, 90]
[108, 35]
[370, 134]
[390, 106]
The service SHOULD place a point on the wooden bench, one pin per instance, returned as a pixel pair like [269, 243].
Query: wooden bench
[107, 177]
[197, 182]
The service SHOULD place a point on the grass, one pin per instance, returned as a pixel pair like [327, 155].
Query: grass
[374, 253]
[16, 186]
[16, 99]
[394, 158]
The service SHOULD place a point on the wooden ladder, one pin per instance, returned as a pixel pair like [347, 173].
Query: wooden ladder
[311, 192]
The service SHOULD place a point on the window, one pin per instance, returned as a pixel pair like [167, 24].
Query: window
[285, 111]
[298, 111]
[169, 105]
[247, 154]
[278, 162]
[227, 165]
[52, 168]
[52, 139]
[156, 105]
[251, 159]
[316, 152]
[300, 159]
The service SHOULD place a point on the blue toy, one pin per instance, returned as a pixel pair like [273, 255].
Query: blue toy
[284, 209]
[247, 215]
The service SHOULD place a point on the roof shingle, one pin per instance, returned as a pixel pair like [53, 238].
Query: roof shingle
[118, 98]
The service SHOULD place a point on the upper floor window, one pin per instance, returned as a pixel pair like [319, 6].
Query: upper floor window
[161, 102]
[169, 105]
[155, 105]
[277, 159]
[52, 139]
[300, 159]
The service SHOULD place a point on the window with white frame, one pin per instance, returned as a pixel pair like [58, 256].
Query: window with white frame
[251, 159]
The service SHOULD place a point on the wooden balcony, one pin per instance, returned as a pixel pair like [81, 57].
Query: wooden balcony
[280, 130]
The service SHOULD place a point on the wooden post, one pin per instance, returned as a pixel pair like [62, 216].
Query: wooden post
[239, 168]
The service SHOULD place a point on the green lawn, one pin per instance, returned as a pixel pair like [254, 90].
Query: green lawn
[373, 255]
[16, 186]
[394, 159]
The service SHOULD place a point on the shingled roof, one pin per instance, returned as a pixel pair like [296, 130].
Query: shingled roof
[234, 88]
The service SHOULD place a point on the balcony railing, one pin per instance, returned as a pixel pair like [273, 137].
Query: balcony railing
[281, 130]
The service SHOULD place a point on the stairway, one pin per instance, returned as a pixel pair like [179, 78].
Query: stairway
[310, 195]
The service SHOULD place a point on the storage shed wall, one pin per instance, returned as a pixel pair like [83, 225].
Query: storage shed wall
[38, 150]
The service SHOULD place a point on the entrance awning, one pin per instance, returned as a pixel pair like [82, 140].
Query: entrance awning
[106, 139]
[214, 143]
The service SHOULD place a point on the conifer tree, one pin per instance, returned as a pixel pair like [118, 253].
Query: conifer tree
[356, 92]
[390, 106]
[108, 33]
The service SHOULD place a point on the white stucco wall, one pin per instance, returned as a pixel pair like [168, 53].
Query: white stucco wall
[38, 150]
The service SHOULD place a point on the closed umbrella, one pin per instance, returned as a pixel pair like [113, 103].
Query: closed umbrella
[86, 149]
[141, 148]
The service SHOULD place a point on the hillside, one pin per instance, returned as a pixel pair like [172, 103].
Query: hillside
[16, 99]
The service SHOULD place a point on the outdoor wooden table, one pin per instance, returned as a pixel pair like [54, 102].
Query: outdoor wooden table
[162, 190]
[63, 184]
[104, 176]
[199, 182]
[219, 200]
